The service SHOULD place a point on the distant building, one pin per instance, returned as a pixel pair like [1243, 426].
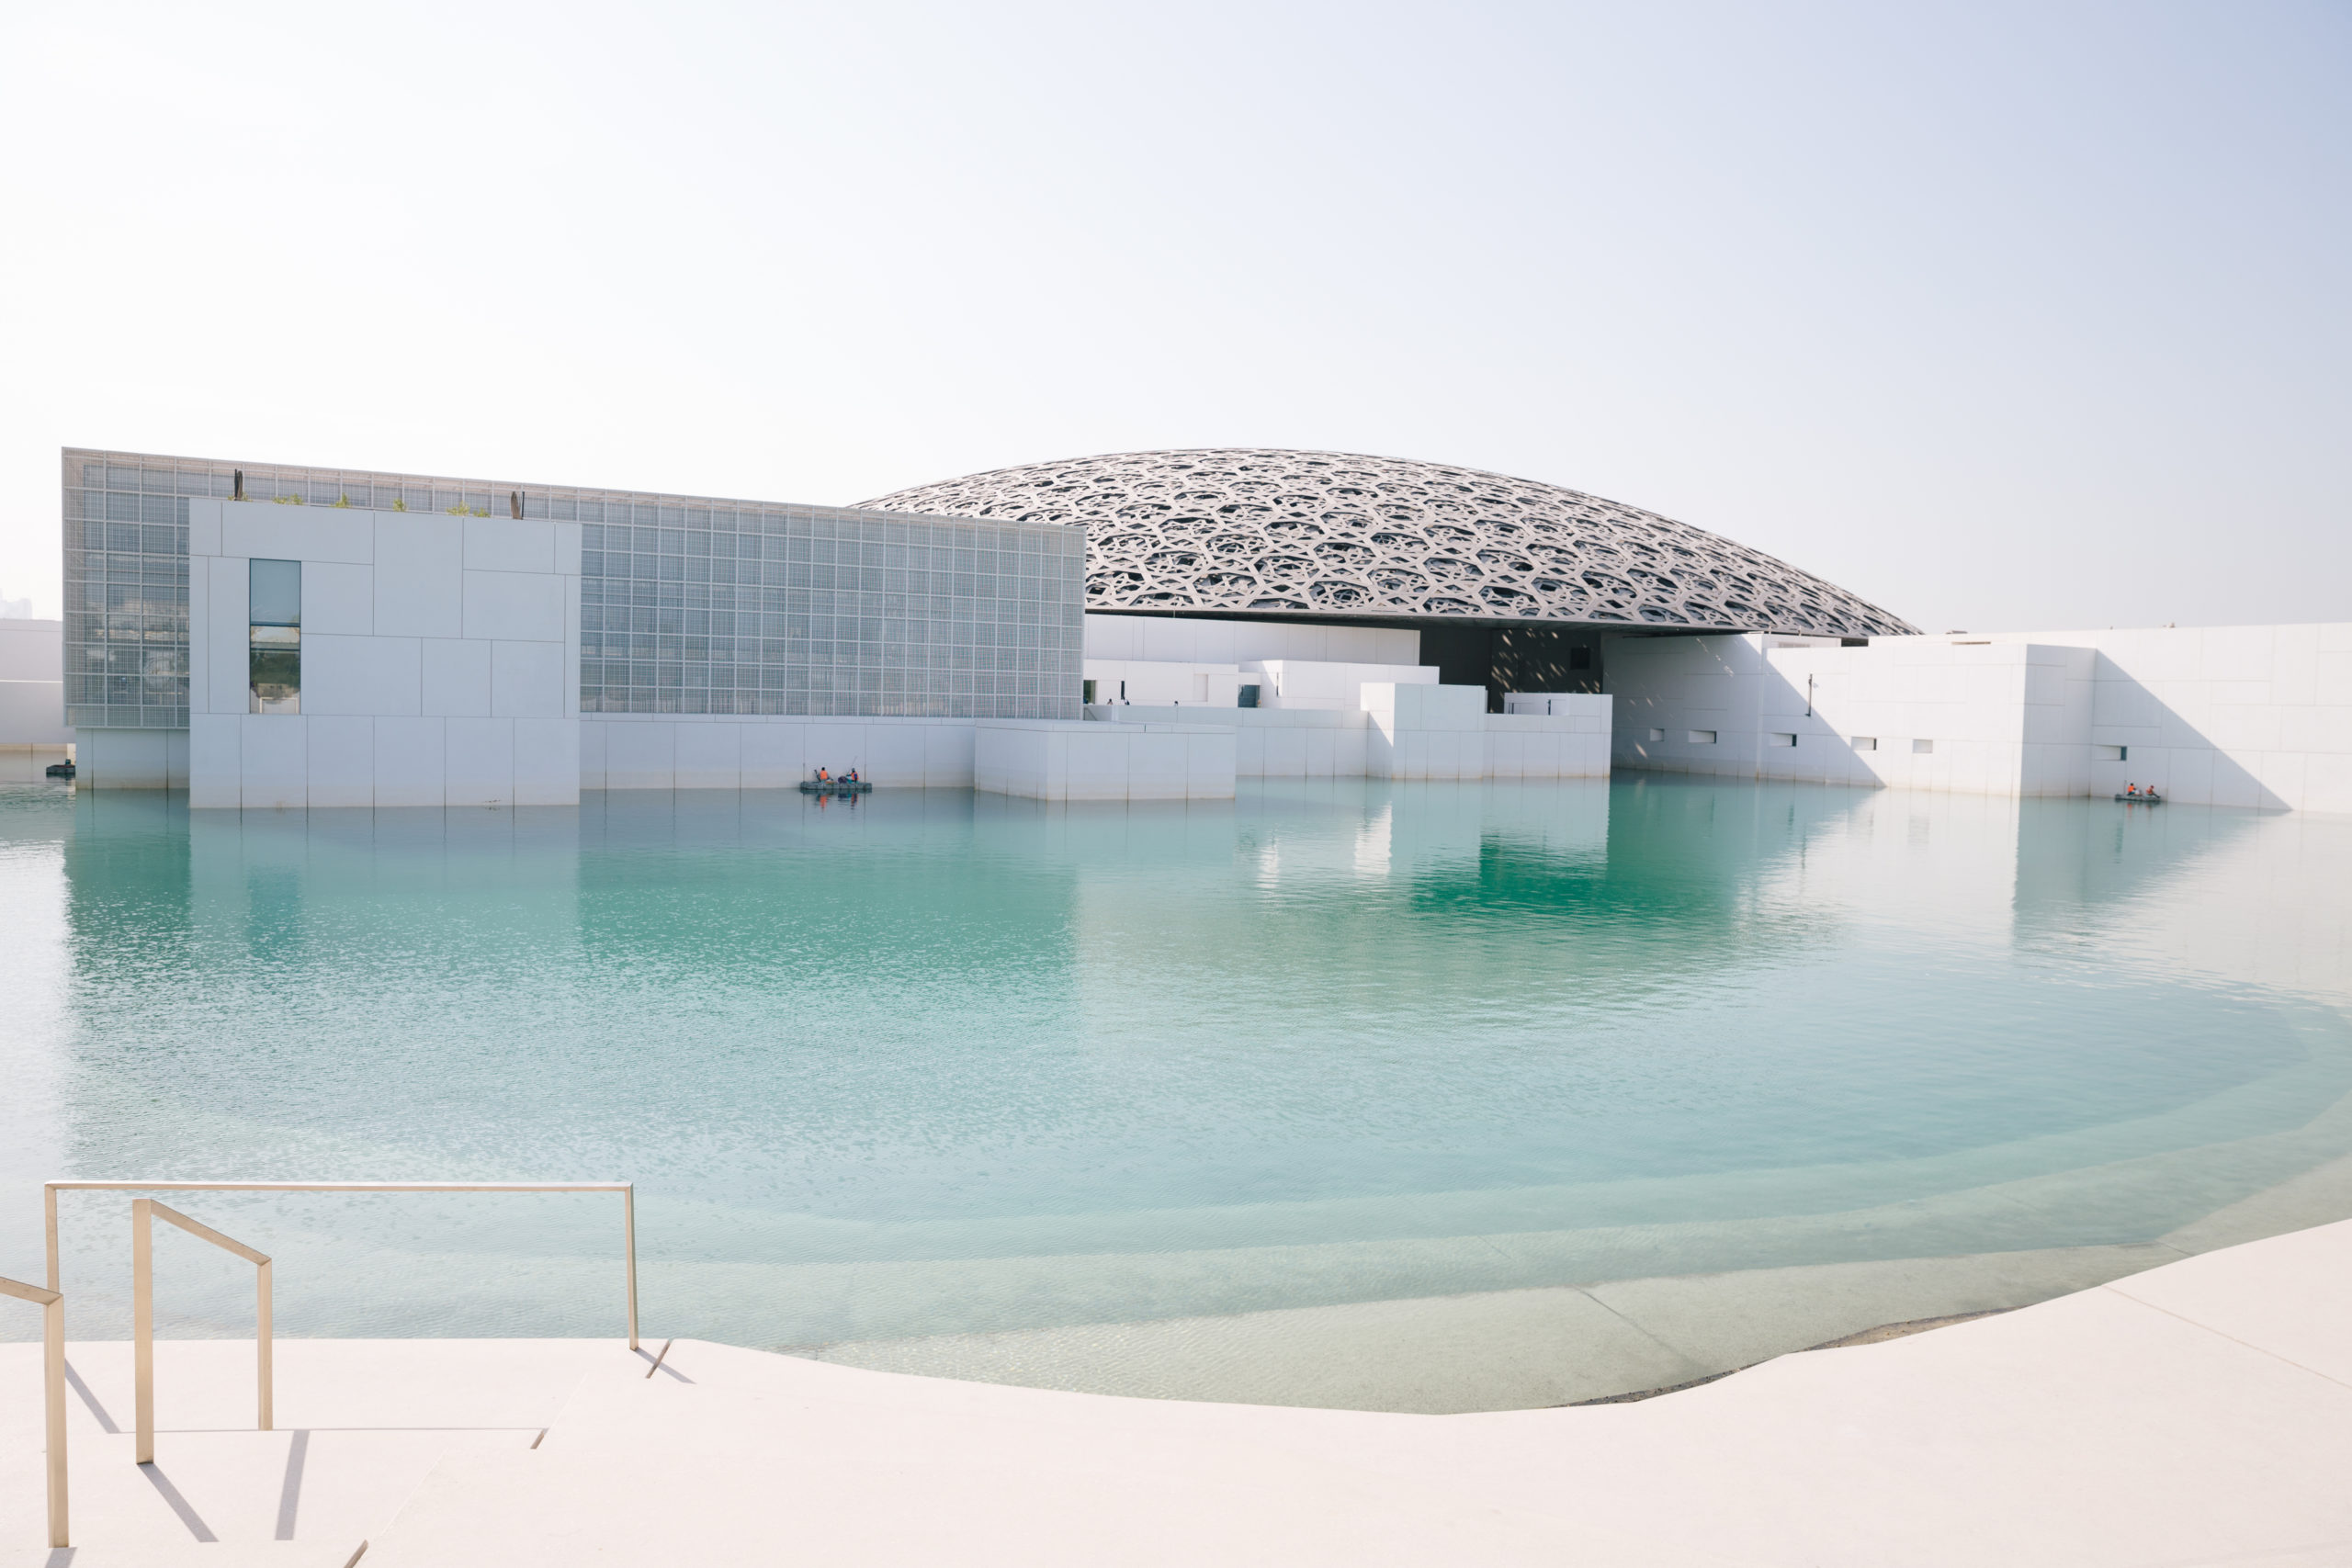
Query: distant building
[273, 634]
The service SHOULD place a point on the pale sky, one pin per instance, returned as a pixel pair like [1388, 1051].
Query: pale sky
[2002, 315]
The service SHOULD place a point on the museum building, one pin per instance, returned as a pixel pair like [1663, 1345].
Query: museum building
[1141, 626]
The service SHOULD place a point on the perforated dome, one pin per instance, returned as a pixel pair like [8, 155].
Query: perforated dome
[1337, 534]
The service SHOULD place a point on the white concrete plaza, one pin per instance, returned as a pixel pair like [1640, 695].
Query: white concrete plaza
[2197, 1414]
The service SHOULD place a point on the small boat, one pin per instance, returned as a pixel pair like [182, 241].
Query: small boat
[2145, 798]
[835, 786]
[60, 770]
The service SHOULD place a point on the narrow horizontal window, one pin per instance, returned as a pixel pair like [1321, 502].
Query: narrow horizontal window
[1782, 738]
[1922, 746]
[1703, 737]
[2113, 754]
[1865, 742]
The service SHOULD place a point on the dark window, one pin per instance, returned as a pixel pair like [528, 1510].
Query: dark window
[274, 606]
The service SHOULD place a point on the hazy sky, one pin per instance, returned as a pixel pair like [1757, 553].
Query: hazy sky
[2000, 315]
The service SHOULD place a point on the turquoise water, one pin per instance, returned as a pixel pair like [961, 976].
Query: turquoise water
[941, 1061]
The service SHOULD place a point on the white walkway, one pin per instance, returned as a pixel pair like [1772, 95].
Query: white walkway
[2198, 1414]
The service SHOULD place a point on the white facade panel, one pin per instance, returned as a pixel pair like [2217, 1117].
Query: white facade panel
[769, 754]
[396, 708]
[520, 606]
[479, 765]
[203, 527]
[457, 677]
[215, 761]
[1185, 640]
[547, 761]
[420, 575]
[253, 529]
[338, 599]
[340, 761]
[130, 758]
[640, 753]
[273, 762]
[709, 756]
[527, 679]
[499, 544]
[226, 634]
[410, 761]
[359, 675]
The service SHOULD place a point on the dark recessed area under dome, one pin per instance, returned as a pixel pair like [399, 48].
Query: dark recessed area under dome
[1279, 534]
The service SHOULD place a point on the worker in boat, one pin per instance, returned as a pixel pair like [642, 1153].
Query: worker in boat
[821, 775]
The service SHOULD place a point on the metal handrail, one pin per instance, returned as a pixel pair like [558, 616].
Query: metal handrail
[143, 1212]
[49, 1190]
[142, 1274]
[53, 1388]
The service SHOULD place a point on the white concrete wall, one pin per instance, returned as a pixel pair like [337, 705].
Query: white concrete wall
[1944, 713]
[1153, 683]
[130, 758]
[1062, 760]
[1426, 737]
[1425, 732]
[694, 752]
[2230, 716]
[1281, 682]
[32, 683]
[1318, 683]
[2221, 715]
[1273, 743]
[440, 659]
[1569, 744]
[1177, 639]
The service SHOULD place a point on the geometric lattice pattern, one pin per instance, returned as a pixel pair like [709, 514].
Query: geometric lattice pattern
[1334, 533]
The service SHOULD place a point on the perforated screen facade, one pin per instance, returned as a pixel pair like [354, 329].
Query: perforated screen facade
[1276, 533]
[689, 605]
[735, 608]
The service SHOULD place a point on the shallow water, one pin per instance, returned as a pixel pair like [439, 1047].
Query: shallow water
[940, 1062]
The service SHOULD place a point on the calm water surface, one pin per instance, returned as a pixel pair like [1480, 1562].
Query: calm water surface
[943, 1062]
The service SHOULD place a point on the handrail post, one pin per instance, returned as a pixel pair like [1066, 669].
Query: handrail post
[52, 1395]
[265, 1339]
[49, 1232]
[142, 1315]
[629, 1239]
[142, 1327]
[52, 1380]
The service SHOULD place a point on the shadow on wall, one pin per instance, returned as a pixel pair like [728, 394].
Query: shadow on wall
[2182, 712]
